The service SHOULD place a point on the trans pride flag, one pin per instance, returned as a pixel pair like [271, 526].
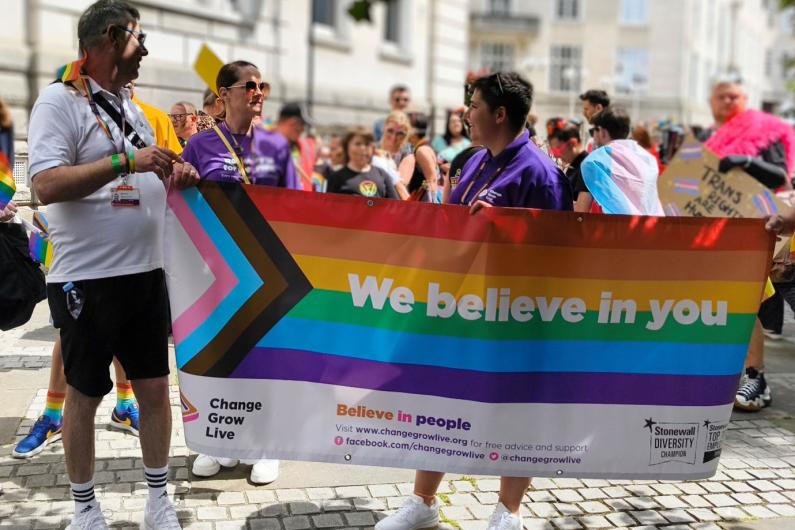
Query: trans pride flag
[512, 342]
[622, 177]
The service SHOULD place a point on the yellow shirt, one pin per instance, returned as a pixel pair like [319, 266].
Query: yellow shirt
[165, 135]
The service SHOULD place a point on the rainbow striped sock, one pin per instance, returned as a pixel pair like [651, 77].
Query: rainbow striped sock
[54, 407]
[124, 396]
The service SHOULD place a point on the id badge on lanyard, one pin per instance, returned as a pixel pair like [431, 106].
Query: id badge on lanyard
[125, 195]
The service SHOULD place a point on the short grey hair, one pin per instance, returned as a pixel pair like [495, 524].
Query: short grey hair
[190, 108]
[100, 15]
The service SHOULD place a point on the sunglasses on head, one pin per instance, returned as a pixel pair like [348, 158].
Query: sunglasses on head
[251, 86]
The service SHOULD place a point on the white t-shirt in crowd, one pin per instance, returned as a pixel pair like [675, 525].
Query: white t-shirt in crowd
[92, 239]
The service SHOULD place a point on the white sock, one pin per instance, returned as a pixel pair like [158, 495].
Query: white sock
[83, 494]
[156, 479]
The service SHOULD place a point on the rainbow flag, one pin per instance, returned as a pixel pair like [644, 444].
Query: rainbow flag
[71, 71]
[764, 203]
[40, 248]
[687, 186]
[40, 222]
[358, 330]
[7, 185]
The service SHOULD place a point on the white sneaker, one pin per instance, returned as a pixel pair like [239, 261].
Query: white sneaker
[207, 466]
[264, 471]
[413, 515]
[161, 515]
[503, 519]
[90, 518]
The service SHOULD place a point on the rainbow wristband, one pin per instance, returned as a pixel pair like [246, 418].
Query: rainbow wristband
[131, 161]
[115, 161]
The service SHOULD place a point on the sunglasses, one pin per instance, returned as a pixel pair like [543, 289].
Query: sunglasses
[251, 86]
[140, 36]
[395, 132]
[181, 116]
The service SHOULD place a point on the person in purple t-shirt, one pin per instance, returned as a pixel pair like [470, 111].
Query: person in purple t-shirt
[512, 171]
[237, 150]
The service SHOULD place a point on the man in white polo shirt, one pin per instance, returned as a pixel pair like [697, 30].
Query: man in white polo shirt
[94, 162]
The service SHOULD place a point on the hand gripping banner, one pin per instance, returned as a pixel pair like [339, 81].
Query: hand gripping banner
[512, 342]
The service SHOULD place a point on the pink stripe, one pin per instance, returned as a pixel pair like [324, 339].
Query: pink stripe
[225, 279]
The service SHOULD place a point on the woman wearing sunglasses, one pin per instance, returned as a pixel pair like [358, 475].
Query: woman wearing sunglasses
[510, 172]
[236, 150]
[394, 149]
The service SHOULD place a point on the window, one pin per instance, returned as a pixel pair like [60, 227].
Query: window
[499, 7]
[769, 62]
[634, 11]
[568, 9]
[324, 12]
[566, 69]
[496, 56]
[632, 69]
[392, 21]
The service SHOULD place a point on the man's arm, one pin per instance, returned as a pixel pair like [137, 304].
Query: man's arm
[69, 183]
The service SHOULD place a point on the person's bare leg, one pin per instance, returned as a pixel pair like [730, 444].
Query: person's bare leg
[155, 420]
[57, 376]
[426, 483]
[121, 375]
[512, 490]
[756, 348]
[78, 435]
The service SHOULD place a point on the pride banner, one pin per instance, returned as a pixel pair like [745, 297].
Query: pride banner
[512, 342]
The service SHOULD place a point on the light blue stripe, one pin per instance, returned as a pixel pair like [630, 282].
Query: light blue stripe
[376, 344]
[248, 280]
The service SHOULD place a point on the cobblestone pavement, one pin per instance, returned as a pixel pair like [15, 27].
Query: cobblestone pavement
[755, 482]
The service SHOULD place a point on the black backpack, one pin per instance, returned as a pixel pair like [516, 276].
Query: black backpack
[22, 284]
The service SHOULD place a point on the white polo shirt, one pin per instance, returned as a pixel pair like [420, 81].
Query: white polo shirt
[92, 239]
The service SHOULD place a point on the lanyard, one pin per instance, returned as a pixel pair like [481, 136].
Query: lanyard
[240, 166]
[93, 104]
[488, 183]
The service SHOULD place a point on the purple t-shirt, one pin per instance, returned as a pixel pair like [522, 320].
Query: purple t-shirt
[521, 176]
[268, 163]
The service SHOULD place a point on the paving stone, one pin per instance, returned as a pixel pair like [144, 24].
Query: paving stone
[721, 500]
[320, 493]
[592, 493]
[303, 508]
[383, 490]
[746, 498]
[677, 516]
[293, 495]
[691, 488]
[462, 486]
[211, 513]
[567, 509]
[704, 515]
[486, 497]
[649, 517]
[759, 512]
[642, 503]
[456, 513]
[696, 501]
[567, 495]
[786, 510]
[489, 485]
[537, 524]
[620, 519]
[260, 496]
[593, 507]
[473, 525]
[268, 523]
[566, 523]
[543, 509]
[299, 522]
[773, 497]
[595, 521]
[226, 498]
[732, 513]
[670, 502]
[328, 520]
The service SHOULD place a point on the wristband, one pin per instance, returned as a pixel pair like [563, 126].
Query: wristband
[115, 161]
[131, 161]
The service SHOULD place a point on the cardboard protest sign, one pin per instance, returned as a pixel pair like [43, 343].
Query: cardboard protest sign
[692, 186]
[207, 66]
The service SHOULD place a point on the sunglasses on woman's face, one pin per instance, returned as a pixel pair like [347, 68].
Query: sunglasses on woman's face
[251, 86]
[395, 132]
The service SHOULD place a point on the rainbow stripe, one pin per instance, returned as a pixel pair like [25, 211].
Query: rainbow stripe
[40, 249]
[71, 71]
[275, 300]
[690, 152]
[7, 185]
[40, 222]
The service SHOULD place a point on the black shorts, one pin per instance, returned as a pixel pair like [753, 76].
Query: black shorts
[123, 316]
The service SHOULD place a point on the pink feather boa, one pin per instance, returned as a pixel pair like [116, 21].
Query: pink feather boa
[750, 133]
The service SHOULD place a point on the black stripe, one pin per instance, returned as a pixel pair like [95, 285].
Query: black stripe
[84, 498]
[159, 475]
[128, 132]
[83, 491]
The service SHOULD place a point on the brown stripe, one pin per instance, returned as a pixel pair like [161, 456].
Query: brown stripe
[254, 306]
[517, 260]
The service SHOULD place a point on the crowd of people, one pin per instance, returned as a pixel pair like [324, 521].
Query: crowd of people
[102, 161]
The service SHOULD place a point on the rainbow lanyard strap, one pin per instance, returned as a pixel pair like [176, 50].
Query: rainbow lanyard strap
[103, 125]
[488, 183]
